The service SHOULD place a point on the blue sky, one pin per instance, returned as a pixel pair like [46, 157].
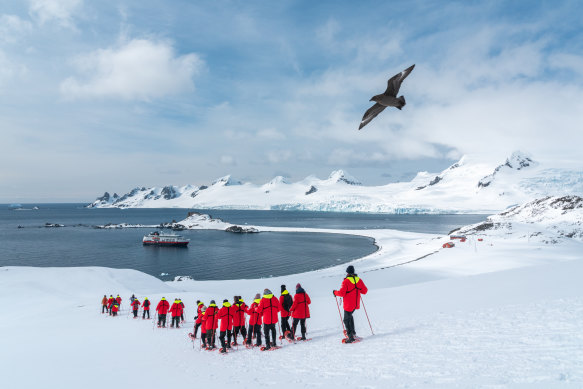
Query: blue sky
[108, 95]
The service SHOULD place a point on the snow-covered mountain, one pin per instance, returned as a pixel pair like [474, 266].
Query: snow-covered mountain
[549, 219]
[468, 186]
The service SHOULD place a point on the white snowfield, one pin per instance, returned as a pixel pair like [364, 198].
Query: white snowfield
[506, 311]
[468, 186]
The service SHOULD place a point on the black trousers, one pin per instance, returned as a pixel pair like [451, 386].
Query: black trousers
[203, 338]
[210, 338]
[135, 313]
[239, 329]
[349, 323]
[285, 324]
[162, 319]
[254, 329]
[303, 327]
[267, 328]
[222, 338]
[103, 308]
[144, 314]
[196, 327]
[175, 319]
[110, 309]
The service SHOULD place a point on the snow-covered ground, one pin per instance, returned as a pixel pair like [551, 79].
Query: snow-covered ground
[468, 186]
[505, 311]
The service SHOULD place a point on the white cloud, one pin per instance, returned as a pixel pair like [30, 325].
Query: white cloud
[136, 70]
[228, 160]
[60, 11]
[9, 70]
[567, 61]
[278, 156]
[271, 134]
[12, 28]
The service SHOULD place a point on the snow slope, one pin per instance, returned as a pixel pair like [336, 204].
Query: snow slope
[469, 185]
[502, 312]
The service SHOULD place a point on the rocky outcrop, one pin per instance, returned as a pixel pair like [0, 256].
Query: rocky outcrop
[242, 230]
[517, 161]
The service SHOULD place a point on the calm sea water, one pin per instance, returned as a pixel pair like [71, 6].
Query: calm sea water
[210, 254]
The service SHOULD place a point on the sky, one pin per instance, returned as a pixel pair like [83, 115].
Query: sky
[111, 95]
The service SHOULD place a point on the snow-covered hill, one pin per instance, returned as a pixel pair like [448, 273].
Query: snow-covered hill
[467, 186]
[550, 219]
[504, 311]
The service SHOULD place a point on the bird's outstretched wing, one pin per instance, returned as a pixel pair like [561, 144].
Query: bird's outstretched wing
[371, 113]
[394, 82]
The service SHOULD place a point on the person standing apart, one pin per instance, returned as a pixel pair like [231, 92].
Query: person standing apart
[351, 289]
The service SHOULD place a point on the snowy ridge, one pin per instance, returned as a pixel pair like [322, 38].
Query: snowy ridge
[550, 220]
[468, 186]
[520, 295]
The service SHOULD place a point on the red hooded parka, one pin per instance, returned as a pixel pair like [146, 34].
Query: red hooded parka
[352, 287]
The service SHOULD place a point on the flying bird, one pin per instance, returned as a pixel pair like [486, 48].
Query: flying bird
[387, 99]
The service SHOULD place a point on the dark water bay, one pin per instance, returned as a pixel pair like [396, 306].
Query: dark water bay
[210, 254]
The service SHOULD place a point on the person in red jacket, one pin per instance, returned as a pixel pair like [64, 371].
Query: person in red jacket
[239, 318]
[118, 299]
[212, 323]
[115, 308]
[269, 308]
[104, 304]
[286, 301]
[176, 311]
[135, 306]
[300, 311]
[110, 303]
[254, 322]
[182, 314]
[145, 308]
[162, 309]
[226, 314]
[198, 317]
[202, 318]
[351, 289]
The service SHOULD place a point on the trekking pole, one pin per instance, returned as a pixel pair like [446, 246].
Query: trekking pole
[340, 315]
[362, 301]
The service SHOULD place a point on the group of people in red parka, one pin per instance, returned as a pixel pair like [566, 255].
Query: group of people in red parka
[110, 305]
[229, 320]
[176, 312]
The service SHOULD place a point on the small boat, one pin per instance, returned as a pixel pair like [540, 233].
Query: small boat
[163, 239]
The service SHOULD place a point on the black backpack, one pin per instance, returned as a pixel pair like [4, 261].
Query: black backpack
[147, 303]
[287, 302]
